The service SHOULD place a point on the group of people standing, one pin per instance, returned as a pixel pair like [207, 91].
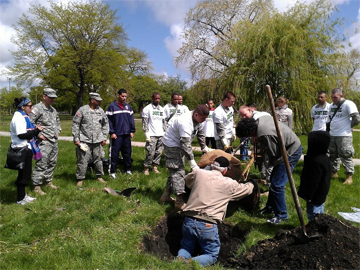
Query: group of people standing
[172, 128]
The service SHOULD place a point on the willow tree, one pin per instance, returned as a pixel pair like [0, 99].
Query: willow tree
[75, 48]
[208, 30]
[294, 52]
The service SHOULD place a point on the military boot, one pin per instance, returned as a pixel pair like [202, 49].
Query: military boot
[334, 175]
[348, 180]
[79, 183]
[179, 202]
[155, 169]
[146, 170]
[38, 189]
[51, 185]
[101, 180]
[166, 196]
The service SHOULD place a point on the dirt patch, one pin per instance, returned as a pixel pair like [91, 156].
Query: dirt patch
[164, 240]
[336, 247]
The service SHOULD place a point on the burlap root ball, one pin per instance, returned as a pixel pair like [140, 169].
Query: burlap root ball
[235, 164]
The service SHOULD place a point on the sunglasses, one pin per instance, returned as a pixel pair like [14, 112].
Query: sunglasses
[29, 106]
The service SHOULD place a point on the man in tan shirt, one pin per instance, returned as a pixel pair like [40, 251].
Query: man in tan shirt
[210, 194]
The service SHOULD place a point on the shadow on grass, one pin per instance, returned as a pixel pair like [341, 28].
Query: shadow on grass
[8, 194]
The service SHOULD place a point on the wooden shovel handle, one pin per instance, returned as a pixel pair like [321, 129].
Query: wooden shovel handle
[286, 160]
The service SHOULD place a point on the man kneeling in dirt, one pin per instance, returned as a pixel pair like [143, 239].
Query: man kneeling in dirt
[210, 194]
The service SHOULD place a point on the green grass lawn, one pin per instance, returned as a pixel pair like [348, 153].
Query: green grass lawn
[88, 229]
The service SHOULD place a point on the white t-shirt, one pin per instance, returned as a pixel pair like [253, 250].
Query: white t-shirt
[341, 123]
[155, 114]
[18, 126]
[184, 109]
[181, 126]
[169, 109]
[257, 114]
[320, 115]
[209, 125]
[227, 119]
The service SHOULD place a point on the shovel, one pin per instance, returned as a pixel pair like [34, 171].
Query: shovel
[126, 192]
[305, 237]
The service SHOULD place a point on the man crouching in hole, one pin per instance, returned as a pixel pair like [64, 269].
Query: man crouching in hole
[210, 194]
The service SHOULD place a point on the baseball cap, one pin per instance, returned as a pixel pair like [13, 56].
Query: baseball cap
[222, 161]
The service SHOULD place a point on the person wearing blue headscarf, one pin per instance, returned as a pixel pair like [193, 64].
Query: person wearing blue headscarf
[23, 134]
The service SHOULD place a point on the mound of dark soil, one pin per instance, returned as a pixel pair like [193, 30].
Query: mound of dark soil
[335, 247]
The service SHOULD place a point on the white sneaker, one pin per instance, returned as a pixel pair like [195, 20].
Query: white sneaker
[27, 199]
[129, 172]
[113, 175]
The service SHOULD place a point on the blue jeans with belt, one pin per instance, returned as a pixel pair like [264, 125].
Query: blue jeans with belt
[278, 179]
[206, 234]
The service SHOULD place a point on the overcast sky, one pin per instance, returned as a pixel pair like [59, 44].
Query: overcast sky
[153, 26]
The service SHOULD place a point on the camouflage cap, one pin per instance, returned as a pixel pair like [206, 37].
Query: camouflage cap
[95, 96]
[50, 92]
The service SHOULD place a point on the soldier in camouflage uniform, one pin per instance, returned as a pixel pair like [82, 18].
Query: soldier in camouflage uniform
[46, 115]
[224, 123]
[344, 116]
[153, 120]
[177, 143]
[90, 129]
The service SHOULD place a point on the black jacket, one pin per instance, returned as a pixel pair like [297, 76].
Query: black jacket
[316, 174]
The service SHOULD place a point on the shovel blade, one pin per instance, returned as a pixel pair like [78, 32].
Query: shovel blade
[126, 192]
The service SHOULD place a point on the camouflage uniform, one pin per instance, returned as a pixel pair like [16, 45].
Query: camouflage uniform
[175, 157]
[342, 147]
[155, 146]
[175, 164]
[90, 127]
[49, 119]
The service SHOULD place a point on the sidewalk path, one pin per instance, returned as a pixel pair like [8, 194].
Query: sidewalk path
[142, 144]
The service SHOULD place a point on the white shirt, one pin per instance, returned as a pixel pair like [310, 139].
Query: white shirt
[18, 126]
[184, 108]
[320, 115]
[155, 114]
[341, 123]
[209, 125]
[180, 127]
[257, 114]
[227, 119]
[169, 109]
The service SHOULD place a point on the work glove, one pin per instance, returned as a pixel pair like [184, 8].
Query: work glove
[147, 137]
[205, 150]
[225, 142]
[193, 164]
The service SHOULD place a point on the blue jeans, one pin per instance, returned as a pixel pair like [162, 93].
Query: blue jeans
[278, 180]
[206, 234]
[313, 209]
[244, 149]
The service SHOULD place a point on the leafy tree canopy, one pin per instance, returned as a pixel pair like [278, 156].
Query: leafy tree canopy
[74, 48]
[243, 45]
